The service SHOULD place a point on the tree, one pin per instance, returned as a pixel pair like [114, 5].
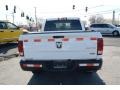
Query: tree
[96, 19]
[92, 19]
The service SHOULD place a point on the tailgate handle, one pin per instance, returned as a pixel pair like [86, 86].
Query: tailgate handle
[58, 36]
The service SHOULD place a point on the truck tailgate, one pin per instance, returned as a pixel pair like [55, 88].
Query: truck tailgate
[60, 46]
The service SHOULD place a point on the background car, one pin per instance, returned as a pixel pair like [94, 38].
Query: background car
[105, 29]
[9, 32]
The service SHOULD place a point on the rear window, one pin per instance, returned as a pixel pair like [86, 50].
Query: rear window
[101, 26]
[95, 25]
[62, 25]
[3, 25]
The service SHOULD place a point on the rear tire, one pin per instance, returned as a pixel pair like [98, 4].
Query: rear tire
[36, 72]
[93, 30]
[87, 71]
[115, 33]
[91, 72]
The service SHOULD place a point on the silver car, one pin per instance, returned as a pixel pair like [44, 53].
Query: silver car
[105, 29]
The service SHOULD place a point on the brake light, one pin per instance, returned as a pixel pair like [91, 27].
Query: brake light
[20, 48]
[99, 46]
[32, 65]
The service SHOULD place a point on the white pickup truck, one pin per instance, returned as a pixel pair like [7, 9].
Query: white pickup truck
[62, 45]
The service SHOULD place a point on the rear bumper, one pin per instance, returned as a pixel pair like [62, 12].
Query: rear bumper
[82, 65]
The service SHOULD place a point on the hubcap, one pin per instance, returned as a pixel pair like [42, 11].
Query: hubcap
[115, 33]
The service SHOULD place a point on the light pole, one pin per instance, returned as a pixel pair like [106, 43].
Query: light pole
[36, 18]
[6, 17]
[118, 18]
[13, 16]
[13, 13]
[113, 17]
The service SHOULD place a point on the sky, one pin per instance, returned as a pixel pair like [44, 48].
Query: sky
[58, 8]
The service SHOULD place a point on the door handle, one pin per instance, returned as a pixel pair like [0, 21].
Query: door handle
[1, 31]
[12, 31]
[58, 36]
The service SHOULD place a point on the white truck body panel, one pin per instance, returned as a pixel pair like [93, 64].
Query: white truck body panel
[72, 49]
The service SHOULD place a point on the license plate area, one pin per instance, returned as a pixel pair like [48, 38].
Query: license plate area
[60, 65]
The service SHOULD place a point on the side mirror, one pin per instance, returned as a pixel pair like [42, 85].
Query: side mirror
[18, 27]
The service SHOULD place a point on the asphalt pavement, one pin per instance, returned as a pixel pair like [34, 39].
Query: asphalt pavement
[8, 51]
[11, 73]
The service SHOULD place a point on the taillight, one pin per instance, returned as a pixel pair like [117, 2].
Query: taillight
[99, 46]
[20, 48]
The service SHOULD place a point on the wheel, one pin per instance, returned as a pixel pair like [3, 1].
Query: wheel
[93, 30]
[36, 72]
[86, 71]
[91, 72]
[115, 33]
